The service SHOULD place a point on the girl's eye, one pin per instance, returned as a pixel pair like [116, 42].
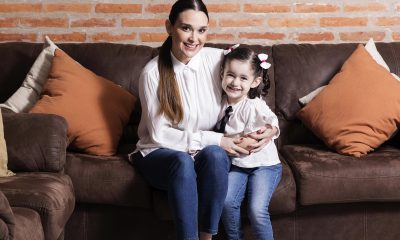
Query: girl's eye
[203, 30]
[244, 79]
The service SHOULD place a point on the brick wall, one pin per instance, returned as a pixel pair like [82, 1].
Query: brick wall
[244, 21]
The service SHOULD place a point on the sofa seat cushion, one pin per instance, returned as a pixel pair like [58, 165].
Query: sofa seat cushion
[323, 176]
[27, 224]
[283, 199]
[49, 194]
[107, 180]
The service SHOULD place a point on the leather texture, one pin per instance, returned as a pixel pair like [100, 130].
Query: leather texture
[35, 142]
[322, 195]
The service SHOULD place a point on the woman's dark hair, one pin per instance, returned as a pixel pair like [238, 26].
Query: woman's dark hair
[245, 54]
[168, 90]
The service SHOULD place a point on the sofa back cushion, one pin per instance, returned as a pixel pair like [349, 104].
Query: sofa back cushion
[301, 68]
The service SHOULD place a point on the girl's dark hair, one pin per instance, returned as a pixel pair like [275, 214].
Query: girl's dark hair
[168, 90]
[246, 54]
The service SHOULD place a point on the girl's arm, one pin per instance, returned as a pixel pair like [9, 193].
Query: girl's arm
[268, 132]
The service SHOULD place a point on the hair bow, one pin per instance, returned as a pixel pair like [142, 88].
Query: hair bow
[231, 48]
[263, 58]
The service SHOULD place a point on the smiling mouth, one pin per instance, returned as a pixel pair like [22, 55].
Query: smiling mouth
[190, 46]
[233, 89]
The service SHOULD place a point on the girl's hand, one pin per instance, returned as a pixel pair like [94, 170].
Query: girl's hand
[231, 147]
[263, 136]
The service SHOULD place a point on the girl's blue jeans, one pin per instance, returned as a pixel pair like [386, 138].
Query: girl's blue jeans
[260, 183]
[196, 188]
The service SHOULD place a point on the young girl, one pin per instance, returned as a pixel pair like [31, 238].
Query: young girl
[244, 113]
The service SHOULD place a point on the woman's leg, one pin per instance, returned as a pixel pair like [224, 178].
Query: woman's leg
[174, 172]
[212, 166]
[262, 183]
[237, 183]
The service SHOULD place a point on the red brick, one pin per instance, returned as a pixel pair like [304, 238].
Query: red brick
[361, 36]
[11, 37]
[9, 22]
[158, 8]
[388, 21]
[220, 36]
[234, 22]
[118, 8]
[212, 23]
[367, 7]
[343, 21]
[20, 7]
[316, 8]
[81, 8]
[44, 22]
[68, 37]
[267, 8]
[292, 22]
[93, 22]
[396, 36]
[143, 22]
[313, 37]
[107, 37]
[268, 35]
[223, 8]
[153, 37]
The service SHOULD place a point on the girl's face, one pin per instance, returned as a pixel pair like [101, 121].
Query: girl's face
[237, 79]
[189, 34]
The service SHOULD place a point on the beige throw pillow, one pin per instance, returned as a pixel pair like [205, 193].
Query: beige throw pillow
[4, 172]
[28, 94]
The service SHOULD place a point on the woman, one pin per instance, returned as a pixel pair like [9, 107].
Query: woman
[180, 93]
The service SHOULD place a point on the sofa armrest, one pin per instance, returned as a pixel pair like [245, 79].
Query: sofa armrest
[35, 142]
[7, 219]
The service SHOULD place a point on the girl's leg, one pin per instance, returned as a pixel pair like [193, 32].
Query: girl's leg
[174, 172]
[212, 167]
[262, 183]
[237, 183]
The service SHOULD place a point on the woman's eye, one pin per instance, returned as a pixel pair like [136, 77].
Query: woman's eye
[244, 79]
[186, 29]
[203, 30]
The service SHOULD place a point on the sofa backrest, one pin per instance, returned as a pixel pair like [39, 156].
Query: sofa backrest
[301, 68]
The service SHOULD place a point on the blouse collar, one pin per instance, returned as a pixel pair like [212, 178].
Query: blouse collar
[193, 64]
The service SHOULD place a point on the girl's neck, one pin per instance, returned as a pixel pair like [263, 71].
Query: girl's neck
[233, 102]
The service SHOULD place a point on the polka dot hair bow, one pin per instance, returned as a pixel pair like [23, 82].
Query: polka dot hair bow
[231, 48]
[263, 58]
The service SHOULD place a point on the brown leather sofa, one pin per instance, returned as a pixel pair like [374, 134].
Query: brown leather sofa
[322, 195]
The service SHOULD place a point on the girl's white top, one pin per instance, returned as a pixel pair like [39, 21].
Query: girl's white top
[200, 89]
[248, 116]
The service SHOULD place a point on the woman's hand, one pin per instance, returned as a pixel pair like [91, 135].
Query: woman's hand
[263, 137]
[230, 145]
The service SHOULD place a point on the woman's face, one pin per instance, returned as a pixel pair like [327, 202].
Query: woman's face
[189, 34]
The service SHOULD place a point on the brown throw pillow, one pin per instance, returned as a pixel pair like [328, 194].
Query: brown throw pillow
[359, 108]
[95, 108]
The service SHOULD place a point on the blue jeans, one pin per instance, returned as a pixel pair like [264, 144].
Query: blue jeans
[196, 189]
[261, 182]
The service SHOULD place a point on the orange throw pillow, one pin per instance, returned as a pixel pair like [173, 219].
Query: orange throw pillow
[358, 110]
[95, 108]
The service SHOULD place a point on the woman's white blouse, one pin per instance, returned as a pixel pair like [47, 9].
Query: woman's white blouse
[248, 116]
[200, 89]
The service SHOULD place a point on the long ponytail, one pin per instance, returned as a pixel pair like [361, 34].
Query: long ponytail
[168, 89]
